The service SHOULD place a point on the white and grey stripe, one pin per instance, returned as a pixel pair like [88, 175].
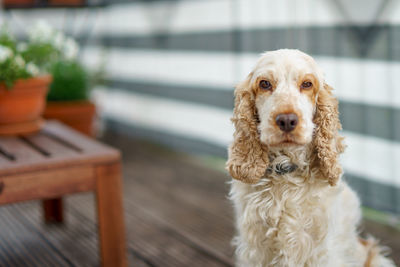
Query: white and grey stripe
[173, 65]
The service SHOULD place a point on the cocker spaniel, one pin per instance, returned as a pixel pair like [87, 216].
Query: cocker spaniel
[292, 207]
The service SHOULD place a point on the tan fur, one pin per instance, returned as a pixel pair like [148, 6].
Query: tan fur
[308, 217]
[327, 142]
[248, 158]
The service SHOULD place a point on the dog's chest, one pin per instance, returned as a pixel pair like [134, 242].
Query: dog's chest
[291, 220]
[291, 207]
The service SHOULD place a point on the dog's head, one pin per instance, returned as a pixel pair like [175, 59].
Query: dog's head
[284, 102]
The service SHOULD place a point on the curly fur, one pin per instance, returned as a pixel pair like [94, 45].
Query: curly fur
[248, 158]
[327, 142]
[308, 217]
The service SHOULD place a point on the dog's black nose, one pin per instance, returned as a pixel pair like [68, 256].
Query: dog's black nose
[287, 122]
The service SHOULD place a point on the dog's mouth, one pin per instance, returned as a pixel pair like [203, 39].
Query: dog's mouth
[286, 144]
[281, 139]
[287, 140]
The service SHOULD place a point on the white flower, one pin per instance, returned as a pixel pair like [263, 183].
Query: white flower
[58, 40]
[21, 47]
[71, 49]
[19, 61]
[41, 32]
[5, 53]
[32, 69]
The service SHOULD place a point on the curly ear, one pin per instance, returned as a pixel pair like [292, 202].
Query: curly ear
[247, 157]
[328, 144]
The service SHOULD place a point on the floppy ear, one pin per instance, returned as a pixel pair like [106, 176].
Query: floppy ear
[328, 144]
[247, 157]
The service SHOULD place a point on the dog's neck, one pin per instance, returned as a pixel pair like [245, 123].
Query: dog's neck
[288, 160]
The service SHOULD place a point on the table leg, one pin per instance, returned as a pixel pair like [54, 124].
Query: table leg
[53, 210]
[110, 215]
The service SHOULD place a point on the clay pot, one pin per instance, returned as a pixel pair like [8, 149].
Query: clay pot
[77, 114]
[32, 3]
[13, 3]
[66, 2]
[22, 105]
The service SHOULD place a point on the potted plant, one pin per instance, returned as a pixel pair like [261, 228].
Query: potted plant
[67, 2]
[42, 3]
[17, 3]
[23, 88]
[68, 98]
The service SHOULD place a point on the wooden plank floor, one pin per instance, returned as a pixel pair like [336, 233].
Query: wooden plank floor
[176, 213]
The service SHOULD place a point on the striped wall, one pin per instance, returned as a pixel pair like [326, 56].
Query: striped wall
[172, 67]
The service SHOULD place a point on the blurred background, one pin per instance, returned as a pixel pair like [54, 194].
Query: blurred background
[169, 68]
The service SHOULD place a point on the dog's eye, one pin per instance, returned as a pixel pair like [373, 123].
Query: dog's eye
[265, 85]
[306, 85]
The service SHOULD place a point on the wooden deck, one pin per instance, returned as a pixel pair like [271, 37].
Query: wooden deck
[176, 213]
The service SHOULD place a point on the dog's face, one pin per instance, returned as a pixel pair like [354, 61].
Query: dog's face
[286, 86]
[284, 102]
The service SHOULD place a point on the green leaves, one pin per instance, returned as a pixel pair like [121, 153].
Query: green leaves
[41, 54]
[12, 67]
[70, 82]
[7, 40]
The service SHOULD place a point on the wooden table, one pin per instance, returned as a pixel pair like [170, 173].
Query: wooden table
[58, 161]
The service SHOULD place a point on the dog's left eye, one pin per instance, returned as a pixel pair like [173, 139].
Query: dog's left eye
[265, 85]
[306, 85]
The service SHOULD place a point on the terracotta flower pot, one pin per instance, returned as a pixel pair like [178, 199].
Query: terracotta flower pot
[12, 3]
[77, 114]
[67, 2]
[31, 3]
[22, 105]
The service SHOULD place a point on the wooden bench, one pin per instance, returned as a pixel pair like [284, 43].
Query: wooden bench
[58, 161]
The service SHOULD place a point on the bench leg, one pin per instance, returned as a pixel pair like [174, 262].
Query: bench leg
[53, 210]
[110, 215]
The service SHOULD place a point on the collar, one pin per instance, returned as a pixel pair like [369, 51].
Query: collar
[281, 169]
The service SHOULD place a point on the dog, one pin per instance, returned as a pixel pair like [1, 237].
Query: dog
[292, 207]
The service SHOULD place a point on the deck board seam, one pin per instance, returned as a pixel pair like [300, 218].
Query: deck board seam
[184, 238]
[141, 257]
[47, 241]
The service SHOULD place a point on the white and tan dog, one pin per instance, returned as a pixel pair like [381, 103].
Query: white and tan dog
[292, 207]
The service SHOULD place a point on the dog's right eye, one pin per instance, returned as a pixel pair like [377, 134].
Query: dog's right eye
[265, 85]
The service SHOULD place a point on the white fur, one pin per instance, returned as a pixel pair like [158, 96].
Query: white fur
[295, 219]
[286, 71]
